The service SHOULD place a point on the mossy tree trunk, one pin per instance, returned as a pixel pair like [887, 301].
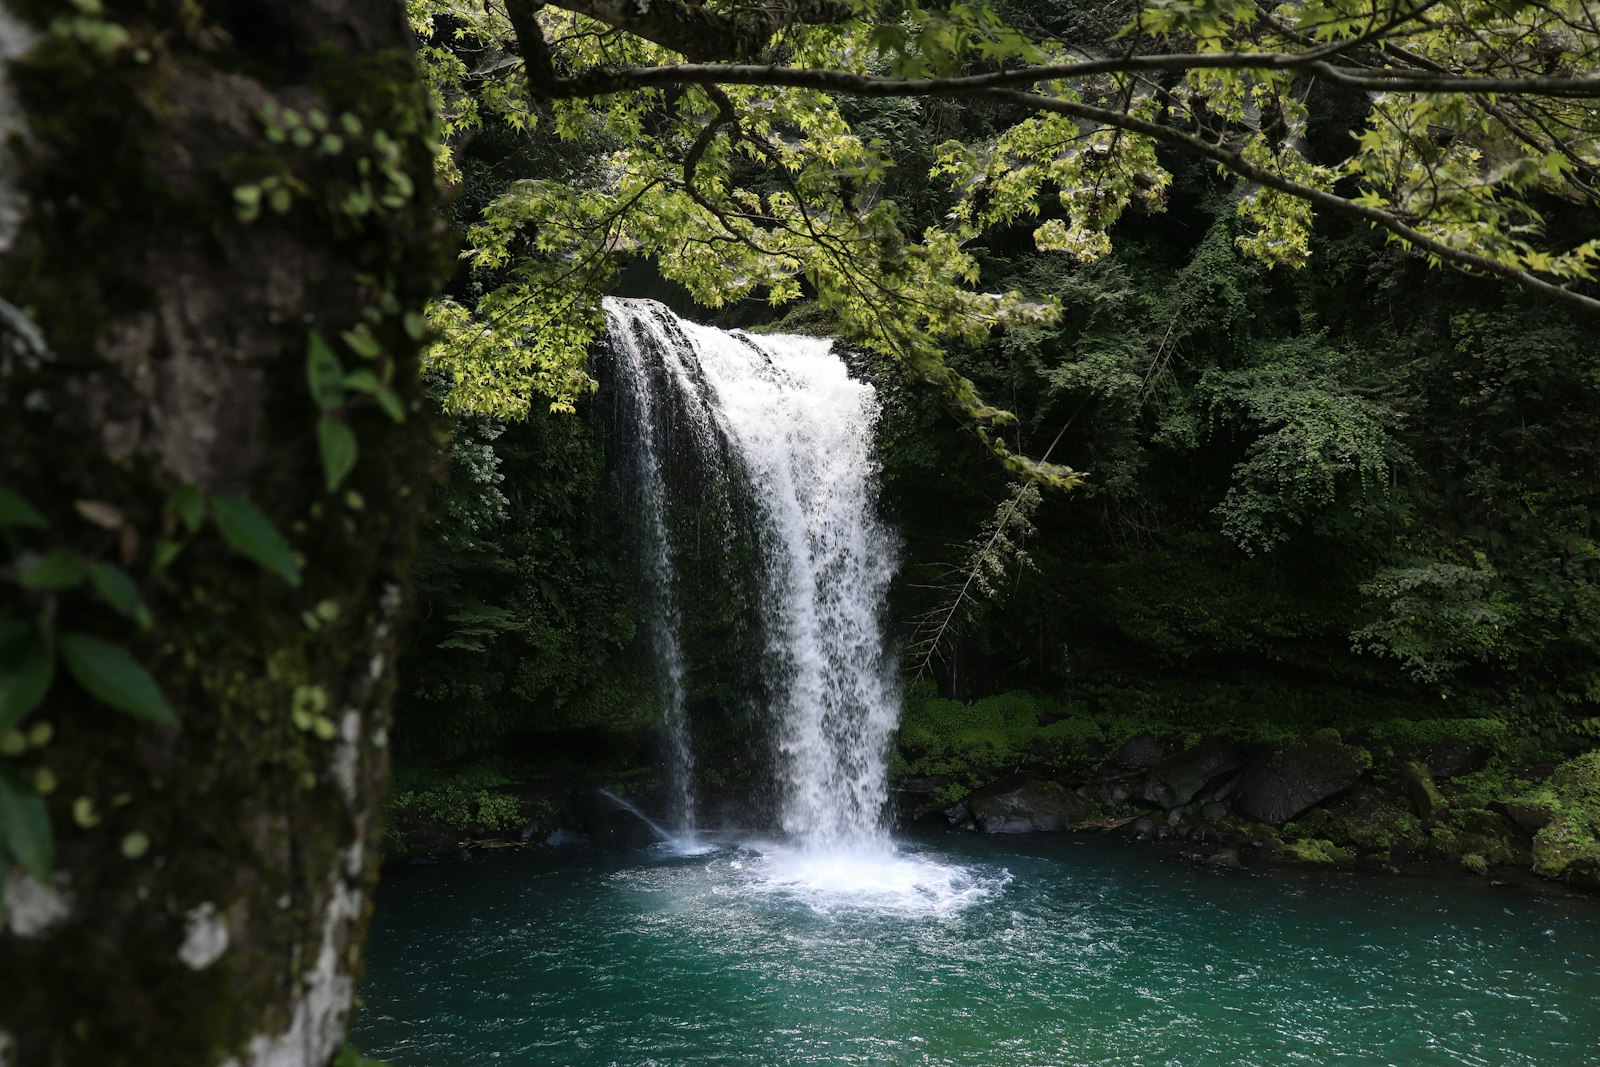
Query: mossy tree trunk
[210, 881]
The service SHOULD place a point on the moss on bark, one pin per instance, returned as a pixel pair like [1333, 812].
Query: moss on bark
[177, 335]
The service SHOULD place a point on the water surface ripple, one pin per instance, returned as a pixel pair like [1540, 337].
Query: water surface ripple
[965, 951]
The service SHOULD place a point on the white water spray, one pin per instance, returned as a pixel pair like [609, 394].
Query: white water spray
[802, 429]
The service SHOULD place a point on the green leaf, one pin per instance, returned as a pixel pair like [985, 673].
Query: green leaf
[112, 676]
[389, 400]
[15, 511]
[118, 590]
[61, 569]
[165, 553]
[324, 373]
[25, 826]
[362, 380]
[362, 343]
[339, 449]
[251, 534]
[189, 504]
[26, 671]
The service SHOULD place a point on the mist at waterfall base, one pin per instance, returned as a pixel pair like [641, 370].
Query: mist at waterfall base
[813, 938]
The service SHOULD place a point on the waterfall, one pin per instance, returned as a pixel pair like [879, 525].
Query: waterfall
[644, 462]
[799, 429]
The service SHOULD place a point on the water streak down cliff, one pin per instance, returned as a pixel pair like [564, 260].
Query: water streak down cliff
[785, 413]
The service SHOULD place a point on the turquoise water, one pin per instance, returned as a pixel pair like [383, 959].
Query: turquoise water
[967, 951]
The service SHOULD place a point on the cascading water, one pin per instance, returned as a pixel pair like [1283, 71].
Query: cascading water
[650, 445]
[801, 429]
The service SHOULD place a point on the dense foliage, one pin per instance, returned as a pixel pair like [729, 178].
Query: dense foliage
[1355, 484]
[1343, 494]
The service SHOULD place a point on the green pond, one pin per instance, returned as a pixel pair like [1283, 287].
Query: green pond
[966, 950]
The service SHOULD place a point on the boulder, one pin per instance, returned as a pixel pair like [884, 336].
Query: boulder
[1425, 799]
[1226, 857]
[1280, 784]
[1134, 758]
[1368, 820]
[1493, 837]
[959, 816]
[1532, 816]
[1175, 782]
[1569, 846]
[1021, 805]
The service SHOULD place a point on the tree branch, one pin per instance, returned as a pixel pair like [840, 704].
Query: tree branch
[601, 82]
[701, 34]
[996, 86]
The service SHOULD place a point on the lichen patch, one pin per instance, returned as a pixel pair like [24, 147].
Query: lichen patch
[31, 907]
[205, 937]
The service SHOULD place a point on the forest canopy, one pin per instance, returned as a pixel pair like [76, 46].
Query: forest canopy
[761, 151]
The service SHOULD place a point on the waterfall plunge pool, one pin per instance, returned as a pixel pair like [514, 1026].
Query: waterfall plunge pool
[966, 951]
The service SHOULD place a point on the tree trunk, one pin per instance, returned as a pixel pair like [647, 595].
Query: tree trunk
[211, 881]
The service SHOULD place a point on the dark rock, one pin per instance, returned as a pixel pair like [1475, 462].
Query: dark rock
[1213, 811]
[1526, 814]
[1366, 819]
[1288, 780]
[420, 837]
[561, 837]
[1226, 857]
[958, 816]
[1425, 799]
[1144, 826]
[920, 795]
[1494, 837]
[612, 823]
[1452, 759]
[1021, 805]
[1176, 781]
[1135, 757]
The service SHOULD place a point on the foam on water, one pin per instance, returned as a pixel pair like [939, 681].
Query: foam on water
[877, 880]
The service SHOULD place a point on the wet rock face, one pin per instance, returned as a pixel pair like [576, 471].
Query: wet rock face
[1175, 782]
[1024, 805]
[1285, 781]
[608, 823]
[1133, 759]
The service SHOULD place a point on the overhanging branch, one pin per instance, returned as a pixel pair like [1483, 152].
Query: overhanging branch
[998, 86]
[702, 34]
[601, 82]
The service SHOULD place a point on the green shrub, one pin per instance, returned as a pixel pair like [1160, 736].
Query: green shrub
[1406, 734]
[464, 799]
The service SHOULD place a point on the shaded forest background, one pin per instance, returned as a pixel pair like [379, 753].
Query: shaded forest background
[1352, 497]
